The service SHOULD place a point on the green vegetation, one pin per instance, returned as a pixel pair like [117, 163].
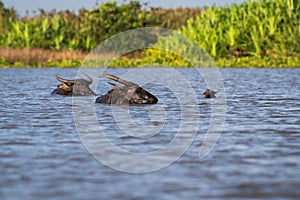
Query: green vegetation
[66, 30]
[267, 31]
[255, 28]
[262, 33]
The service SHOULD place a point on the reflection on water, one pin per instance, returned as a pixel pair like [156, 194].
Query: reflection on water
[257, 155]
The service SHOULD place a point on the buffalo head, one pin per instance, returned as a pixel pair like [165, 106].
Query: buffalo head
[209, 93]
[77, 87]
[128, 93]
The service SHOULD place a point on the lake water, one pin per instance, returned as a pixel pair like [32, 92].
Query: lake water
[55, 147]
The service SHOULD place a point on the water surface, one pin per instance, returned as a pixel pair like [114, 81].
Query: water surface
[257, 154]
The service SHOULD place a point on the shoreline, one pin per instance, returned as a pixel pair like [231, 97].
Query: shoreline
[41, 58]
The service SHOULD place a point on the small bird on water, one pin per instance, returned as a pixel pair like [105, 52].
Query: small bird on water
[209, 93]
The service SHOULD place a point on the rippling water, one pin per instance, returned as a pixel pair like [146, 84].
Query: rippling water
[43, 157]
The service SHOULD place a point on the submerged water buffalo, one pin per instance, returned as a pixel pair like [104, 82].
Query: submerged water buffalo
[209, 93]
[77, 87]
[128, 93]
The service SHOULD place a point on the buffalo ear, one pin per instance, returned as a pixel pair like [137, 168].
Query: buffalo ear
[65, 87]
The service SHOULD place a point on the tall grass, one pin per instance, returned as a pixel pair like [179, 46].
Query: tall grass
[67, 30]
[254, 28]
[257, 28]
[40, 57]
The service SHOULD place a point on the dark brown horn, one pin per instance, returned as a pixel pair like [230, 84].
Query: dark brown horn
[90, 80]
[115, 78]
[113, 84]
[64, 80]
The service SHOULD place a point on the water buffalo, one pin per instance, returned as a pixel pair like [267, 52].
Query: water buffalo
[128, 93]
[209, 93]
[77, 87]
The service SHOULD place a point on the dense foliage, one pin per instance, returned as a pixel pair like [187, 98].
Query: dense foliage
[254, 28]
[5, 16]
[68, 30]
[255, 33]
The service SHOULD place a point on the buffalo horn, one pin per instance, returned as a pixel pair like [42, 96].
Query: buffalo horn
[64, 80]
[115, 78]
[90, 80]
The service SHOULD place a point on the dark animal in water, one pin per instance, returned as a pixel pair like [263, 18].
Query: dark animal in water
[77, 87]
[128, 93]
[209, 93]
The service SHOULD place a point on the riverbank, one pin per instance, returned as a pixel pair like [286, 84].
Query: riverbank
[263, 33]
[39, 58]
